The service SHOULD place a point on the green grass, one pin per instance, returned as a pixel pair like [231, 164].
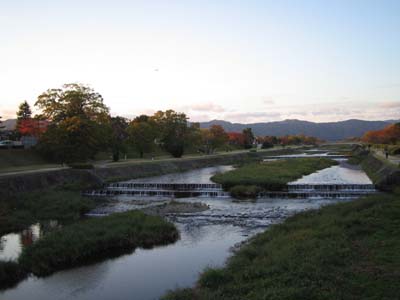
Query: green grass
[272, 175]
[343, 251]
[11, 158]
[22, 210]
[10, 274]
[96, 238]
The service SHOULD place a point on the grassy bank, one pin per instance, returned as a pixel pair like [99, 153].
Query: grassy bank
[273, 175]
[344, 251]
[22, 210]
[10, 158]
[96, 238]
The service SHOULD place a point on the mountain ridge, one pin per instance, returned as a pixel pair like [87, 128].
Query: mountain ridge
[330, 131]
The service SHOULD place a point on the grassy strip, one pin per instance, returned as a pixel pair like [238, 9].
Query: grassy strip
[20, 211]
[274, 175]
[10, 274]
[96, 238]
[344, 251]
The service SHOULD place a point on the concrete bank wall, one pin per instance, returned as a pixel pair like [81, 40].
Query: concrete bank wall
[14, 184]
[384, 175]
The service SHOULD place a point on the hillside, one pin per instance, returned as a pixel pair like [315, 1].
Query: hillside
[330, 131]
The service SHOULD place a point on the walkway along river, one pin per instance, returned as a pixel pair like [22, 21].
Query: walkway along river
[206, 240]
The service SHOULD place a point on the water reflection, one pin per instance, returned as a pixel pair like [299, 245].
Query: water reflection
[194, 176]
[344, 173]
[13, 243]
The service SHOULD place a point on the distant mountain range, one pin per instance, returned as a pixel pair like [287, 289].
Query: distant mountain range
[9, 124]
[330, 131]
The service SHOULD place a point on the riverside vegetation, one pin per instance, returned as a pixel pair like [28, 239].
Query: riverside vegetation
[249, 179]
[22, 210]
[87, 241]
[343, 251]
[96, 238]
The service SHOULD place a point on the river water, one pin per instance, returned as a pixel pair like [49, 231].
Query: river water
[206, 240]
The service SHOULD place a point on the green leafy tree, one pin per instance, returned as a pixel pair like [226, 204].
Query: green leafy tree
[79, 123]
[248, 138]
[173, 131]
[142, 133]
[24, 114]
[24, 111]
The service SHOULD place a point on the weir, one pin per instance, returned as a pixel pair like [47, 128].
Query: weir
[209, 190]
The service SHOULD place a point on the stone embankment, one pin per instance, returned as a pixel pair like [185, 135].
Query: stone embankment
[93, 178]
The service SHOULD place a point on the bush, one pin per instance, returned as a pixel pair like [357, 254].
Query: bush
[245, 191]
[267, 145]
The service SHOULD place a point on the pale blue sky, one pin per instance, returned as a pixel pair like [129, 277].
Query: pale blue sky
[242, 61]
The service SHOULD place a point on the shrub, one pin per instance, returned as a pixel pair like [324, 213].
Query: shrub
[245, 191]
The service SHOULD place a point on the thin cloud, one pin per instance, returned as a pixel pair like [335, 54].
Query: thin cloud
[390, 104]
[206, 107]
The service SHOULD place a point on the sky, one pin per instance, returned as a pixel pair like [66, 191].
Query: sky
[241, 61]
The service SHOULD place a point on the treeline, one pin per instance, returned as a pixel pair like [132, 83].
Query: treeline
[74, 125]
[270, 141]
[390, 135]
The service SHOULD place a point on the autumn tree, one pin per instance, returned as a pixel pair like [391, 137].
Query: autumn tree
[236, 139]
[213, 138]
[173, 131]
[79, 122]
[388, 135]
[142, 133]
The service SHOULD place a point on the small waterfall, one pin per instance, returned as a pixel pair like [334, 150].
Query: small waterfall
[212, 190]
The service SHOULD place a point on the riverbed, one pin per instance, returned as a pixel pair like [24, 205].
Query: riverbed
[207, 239]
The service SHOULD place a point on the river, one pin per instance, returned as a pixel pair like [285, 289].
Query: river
[207, 239]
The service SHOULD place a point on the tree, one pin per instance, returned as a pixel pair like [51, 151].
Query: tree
[24, 115]
[1, 123]
[142, 133]
[388, 135]
[119, 134]
[24, 111]
[213, 138]
[236, 138]
[79, 122]
[248, 138]
[173, 131]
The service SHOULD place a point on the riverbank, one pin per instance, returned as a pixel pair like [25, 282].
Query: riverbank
[92, 178]
[94, 239]
[343, 251]
[385, 175]
[65, 205]
[250, 179]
